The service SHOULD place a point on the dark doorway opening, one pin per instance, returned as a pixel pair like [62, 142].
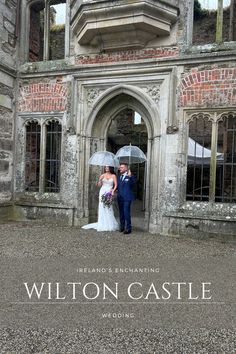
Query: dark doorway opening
[129, 127]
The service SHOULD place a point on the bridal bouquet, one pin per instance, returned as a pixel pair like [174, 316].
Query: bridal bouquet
[106, 199]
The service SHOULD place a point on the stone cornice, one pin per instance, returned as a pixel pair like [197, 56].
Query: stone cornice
[8, 70]
[29, 70]
[101, 23]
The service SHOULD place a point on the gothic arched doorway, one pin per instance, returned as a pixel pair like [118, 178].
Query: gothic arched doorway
[101, 126]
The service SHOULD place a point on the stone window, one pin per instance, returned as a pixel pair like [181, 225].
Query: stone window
[48, 30]
[32, 156]
[211, 166]
[43, 156]
[226, 167]
[199, 154]
[53, 157]
[214, 21]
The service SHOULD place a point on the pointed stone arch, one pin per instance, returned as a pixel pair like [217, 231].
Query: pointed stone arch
[138, 98]
[95, 128]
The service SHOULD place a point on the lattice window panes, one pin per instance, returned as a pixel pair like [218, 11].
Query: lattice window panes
[226, 164]
[43, 156]
[32, 157]
[53, 157]
[199, 156]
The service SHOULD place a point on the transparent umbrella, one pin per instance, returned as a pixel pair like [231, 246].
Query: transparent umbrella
[103, 158]
[130, 154]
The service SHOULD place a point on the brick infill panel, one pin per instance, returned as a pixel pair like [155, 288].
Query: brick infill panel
[41, 97]
[216, 87]
[151, 53]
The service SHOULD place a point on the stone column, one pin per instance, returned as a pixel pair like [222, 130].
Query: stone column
[189, 23]
[42, 159]
[87, 177]
[67, 30]
[219, 22]
[82, 210]
[232, 25]
[154, 165]
[46, 30]
[213, 161]
[7, 99]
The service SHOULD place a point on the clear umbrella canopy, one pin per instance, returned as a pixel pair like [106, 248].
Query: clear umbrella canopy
[130, 154]
[103, 158]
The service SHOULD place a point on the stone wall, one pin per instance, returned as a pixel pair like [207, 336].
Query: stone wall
[7, 89]
[8, 31]
[57, 42]
[204, 28]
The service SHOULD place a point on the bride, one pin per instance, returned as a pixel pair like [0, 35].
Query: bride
[106, 219]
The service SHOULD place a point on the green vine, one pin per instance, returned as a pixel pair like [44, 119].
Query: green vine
[199, 12]
[57, 28]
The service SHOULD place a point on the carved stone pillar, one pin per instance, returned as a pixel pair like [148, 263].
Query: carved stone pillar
[153, 164]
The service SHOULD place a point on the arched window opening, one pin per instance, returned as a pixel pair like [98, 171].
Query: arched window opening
[199, 158]
[211, 168]
[53, 157]
[226, 167]
[43, 157]
[32, 156]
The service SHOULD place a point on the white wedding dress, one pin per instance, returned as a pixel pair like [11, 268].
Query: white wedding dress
[106, 219]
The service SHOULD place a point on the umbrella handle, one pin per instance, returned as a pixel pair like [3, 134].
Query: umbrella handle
[129, 157]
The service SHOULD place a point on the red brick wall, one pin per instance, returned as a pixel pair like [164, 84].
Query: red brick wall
[42, 97]
[209, 88]
[127, 55]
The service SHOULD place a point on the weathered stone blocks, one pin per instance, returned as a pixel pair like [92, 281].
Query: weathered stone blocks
[6, 144]
[7, 31]
[9, 26]
[4, 166]
[6, 80]
[5, 101]
[5, 186]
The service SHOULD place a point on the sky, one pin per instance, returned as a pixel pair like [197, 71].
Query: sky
[212, 4]
[61, 13]
[206, 4]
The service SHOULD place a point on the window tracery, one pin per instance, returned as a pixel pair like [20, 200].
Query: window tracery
[43, 156]
[211, 159]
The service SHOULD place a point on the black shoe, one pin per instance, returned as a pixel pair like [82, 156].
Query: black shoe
[126, 232]
[121, 229]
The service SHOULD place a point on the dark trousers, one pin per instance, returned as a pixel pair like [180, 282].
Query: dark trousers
[125, 216]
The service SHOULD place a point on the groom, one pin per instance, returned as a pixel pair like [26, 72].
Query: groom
[125, 196]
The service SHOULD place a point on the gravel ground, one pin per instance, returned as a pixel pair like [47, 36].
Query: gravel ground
[118, 341]
[21, 242]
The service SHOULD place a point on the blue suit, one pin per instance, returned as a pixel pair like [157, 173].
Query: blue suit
[125, 197]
